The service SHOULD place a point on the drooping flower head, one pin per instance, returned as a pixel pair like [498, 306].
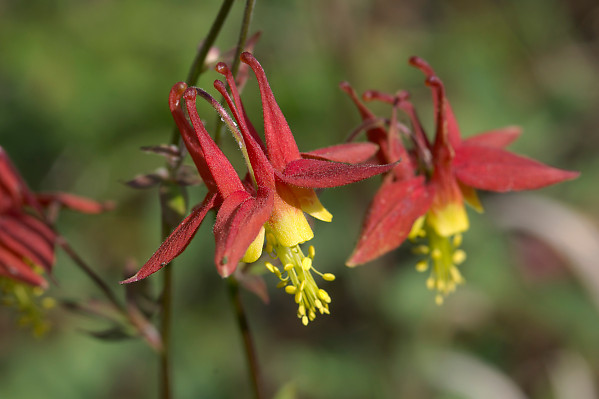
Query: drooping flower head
[271, 210]
[27, 240]
[446, 171]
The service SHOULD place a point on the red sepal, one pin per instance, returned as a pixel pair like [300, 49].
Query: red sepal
[223, 173]
[314, 173]
[177, 241]
[14, 266]
[28, 237]
[390, 217]
[281, 145]
[74, 202]
[499, 138]
[238, 223]
[348, 153]
[494, 169]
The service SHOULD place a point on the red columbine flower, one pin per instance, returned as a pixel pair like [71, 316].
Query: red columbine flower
[272, 209]
[427, 200]
[27, 240]
[241, 213]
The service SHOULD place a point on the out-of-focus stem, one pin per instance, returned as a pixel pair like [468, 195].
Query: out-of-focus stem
[245, 27]
[169, 223]
[248, 344]
[66, 247]
[198, 63]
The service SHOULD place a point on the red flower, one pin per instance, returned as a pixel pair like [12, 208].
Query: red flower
[425, 198]
[26, 239]
[272, 209]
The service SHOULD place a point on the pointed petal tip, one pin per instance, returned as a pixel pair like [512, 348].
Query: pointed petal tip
[131, 279]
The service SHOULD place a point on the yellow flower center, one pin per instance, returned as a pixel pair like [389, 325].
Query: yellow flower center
[297, 279]
[443, 253]
[26, 299]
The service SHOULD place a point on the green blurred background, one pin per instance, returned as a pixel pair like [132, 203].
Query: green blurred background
[84, 84]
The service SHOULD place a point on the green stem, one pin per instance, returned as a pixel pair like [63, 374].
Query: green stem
[245, 28]
[66, 247]
[248, 344]
[169, 222]
[198, 63]
[165, 333]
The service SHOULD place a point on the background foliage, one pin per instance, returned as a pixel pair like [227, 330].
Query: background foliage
[83, 84]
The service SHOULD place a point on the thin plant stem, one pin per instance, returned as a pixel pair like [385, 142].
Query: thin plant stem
[248, 344]
[169, 223]
[66, 247]
[197, 67]
[245, 28]
[165, 332]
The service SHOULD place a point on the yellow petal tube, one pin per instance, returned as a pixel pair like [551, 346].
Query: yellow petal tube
[287, 222]
[255, 249]
[449, 219]
[310, 204]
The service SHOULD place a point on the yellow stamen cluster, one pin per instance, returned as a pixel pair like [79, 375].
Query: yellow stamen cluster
[27, 300]
[297, 280]
[444, 255]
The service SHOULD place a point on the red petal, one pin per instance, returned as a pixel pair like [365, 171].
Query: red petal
[448, 131]
[74, 202]
[13, 189]
[499, 138]
[176, 242]
[188, 135]
[282, 148]
[390, 217]
[220, 168]
[263, 170]
[29, 238]
[314, 173]
[349, 153]
[494, 169]
[14, 267]
[238, 222]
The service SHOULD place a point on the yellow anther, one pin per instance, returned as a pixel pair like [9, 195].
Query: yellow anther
[270, 267]
[48, 303]
[37, 291]
[311, 251]
[306, 263]
[421, 250]
[459, 256]
[430, 283]
[268, 248]
[436, 254]
[282, 284]
[441, 286]
[299, 280]
[457, 240]
[439, 299]
[270, 238]
[290, 289]
[422, 265]
[456, 275]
